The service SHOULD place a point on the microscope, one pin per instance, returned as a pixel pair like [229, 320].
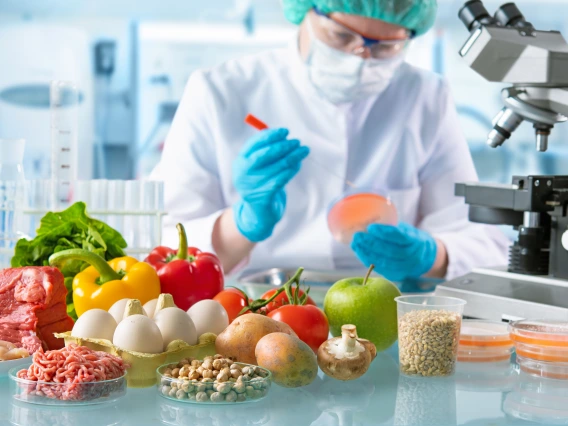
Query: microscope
[506, 48]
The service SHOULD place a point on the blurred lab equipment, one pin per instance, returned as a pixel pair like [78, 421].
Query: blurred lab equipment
[11, 196]
[64, 104]
[39, 54]
[167, 53]
[133, 208]
[507, 48]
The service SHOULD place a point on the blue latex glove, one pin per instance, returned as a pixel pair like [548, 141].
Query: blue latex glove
[398, 252]
[261, 171]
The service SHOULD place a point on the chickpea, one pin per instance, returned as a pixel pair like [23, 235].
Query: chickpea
[216, 372]
[174, 385]
[209, 392]
[184, 371]
[207, 365]
[235, 366]
[201, 397]
[249, 390]
[208, 383]
[241, 397]
[222, 377]
[200, 369]
[217, 397]
[231, 397]
[246, 378]
[166, 390]
[207, 374]
[165, 381]
[239, 387]
[180, 394]
[195, 363]
[217, 356]
[175, 372]
[224, 388]
[201, 387]
[235, 374]
[187, 387]
[193, 375]
[168, 371]
[173, 392]
[256, 383]
[208, 358]
[191, 396]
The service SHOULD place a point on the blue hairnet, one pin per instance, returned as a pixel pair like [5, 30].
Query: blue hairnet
[416, 15]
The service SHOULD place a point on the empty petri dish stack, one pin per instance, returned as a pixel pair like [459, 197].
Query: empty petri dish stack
[484, 341]
[542, 347]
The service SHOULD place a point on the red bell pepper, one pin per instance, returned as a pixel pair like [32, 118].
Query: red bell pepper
[187, 273]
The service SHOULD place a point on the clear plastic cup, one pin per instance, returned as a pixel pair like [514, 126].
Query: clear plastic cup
[428, 334]
[357, 209]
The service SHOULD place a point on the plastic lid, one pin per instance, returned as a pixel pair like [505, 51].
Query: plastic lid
[12, 151]
[540, 332]
[484, 333]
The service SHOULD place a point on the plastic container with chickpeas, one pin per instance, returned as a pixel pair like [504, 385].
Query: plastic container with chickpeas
[215, 380]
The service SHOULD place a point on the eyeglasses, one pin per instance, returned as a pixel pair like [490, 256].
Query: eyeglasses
[345, 39]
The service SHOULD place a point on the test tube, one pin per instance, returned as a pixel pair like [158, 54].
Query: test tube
[131, 222]
[82, 191]
[98, 203]
[116, 202]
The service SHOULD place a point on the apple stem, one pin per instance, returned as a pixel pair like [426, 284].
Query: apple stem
[368, 274]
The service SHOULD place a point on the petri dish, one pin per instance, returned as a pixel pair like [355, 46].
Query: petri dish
[484, 341]
[357, 209]
[65, 394]
[542, 347]
[188, 391]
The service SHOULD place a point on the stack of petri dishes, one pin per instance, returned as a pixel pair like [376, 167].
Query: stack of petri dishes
[542, 347]
[484, 341]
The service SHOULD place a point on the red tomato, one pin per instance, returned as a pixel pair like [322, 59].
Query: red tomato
[233, 301]
[281, 299]
[308, 322]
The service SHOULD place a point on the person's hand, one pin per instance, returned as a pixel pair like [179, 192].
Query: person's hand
[261, 171]
[398, 252]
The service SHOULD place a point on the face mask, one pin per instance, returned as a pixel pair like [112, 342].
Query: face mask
[342, 77]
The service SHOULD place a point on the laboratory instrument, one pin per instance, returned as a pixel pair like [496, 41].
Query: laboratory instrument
[64, 102]
[12, 184]
[484, 341]
[506, 48]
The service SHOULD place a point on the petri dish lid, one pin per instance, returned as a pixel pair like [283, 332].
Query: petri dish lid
[540, 332]
[484, 333]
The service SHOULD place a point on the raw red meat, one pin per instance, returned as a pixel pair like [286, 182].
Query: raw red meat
[32, 307]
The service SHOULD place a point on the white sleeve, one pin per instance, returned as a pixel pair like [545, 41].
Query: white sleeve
[443, 214]
[188, 168]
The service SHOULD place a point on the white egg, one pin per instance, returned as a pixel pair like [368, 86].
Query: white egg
[138, 333]
[95, 324]
[175, 324]
[150, 307]
[117, 310]
[209, 316]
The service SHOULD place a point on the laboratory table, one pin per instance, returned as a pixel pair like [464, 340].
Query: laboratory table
[478, 394]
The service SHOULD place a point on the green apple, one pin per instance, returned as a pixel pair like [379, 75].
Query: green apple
[367, 303]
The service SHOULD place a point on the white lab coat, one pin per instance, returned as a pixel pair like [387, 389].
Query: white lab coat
[406, 142]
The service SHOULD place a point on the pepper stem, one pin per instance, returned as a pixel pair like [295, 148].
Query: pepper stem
[103, 268]
[182, 249]
[368, 274]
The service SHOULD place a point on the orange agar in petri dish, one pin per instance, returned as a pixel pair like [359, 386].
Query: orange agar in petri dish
[484, 341]
[355, 212]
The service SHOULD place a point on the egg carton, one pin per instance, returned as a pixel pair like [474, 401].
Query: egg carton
[143, 366]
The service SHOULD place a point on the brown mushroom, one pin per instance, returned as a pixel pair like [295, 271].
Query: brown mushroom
[346, 357]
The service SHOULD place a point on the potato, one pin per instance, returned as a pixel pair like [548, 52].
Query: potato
[291, 361]
[238, 340]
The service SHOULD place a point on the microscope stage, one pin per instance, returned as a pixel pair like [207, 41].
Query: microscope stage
[494, 294]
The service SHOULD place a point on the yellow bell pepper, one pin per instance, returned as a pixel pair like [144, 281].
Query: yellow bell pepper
[102, 284]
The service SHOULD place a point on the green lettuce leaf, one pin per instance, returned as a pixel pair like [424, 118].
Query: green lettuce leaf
[71, 228]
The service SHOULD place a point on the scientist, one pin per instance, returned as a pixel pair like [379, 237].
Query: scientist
[343, 94]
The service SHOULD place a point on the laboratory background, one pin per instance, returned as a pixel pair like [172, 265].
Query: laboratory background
[131, 61]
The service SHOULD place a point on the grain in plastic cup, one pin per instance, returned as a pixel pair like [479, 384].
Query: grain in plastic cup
[428, 334]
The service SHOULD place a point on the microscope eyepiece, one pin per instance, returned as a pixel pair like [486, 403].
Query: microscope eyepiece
[509, 15]
[474, 14]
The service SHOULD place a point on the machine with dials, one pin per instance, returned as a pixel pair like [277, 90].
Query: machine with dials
[506, 48]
